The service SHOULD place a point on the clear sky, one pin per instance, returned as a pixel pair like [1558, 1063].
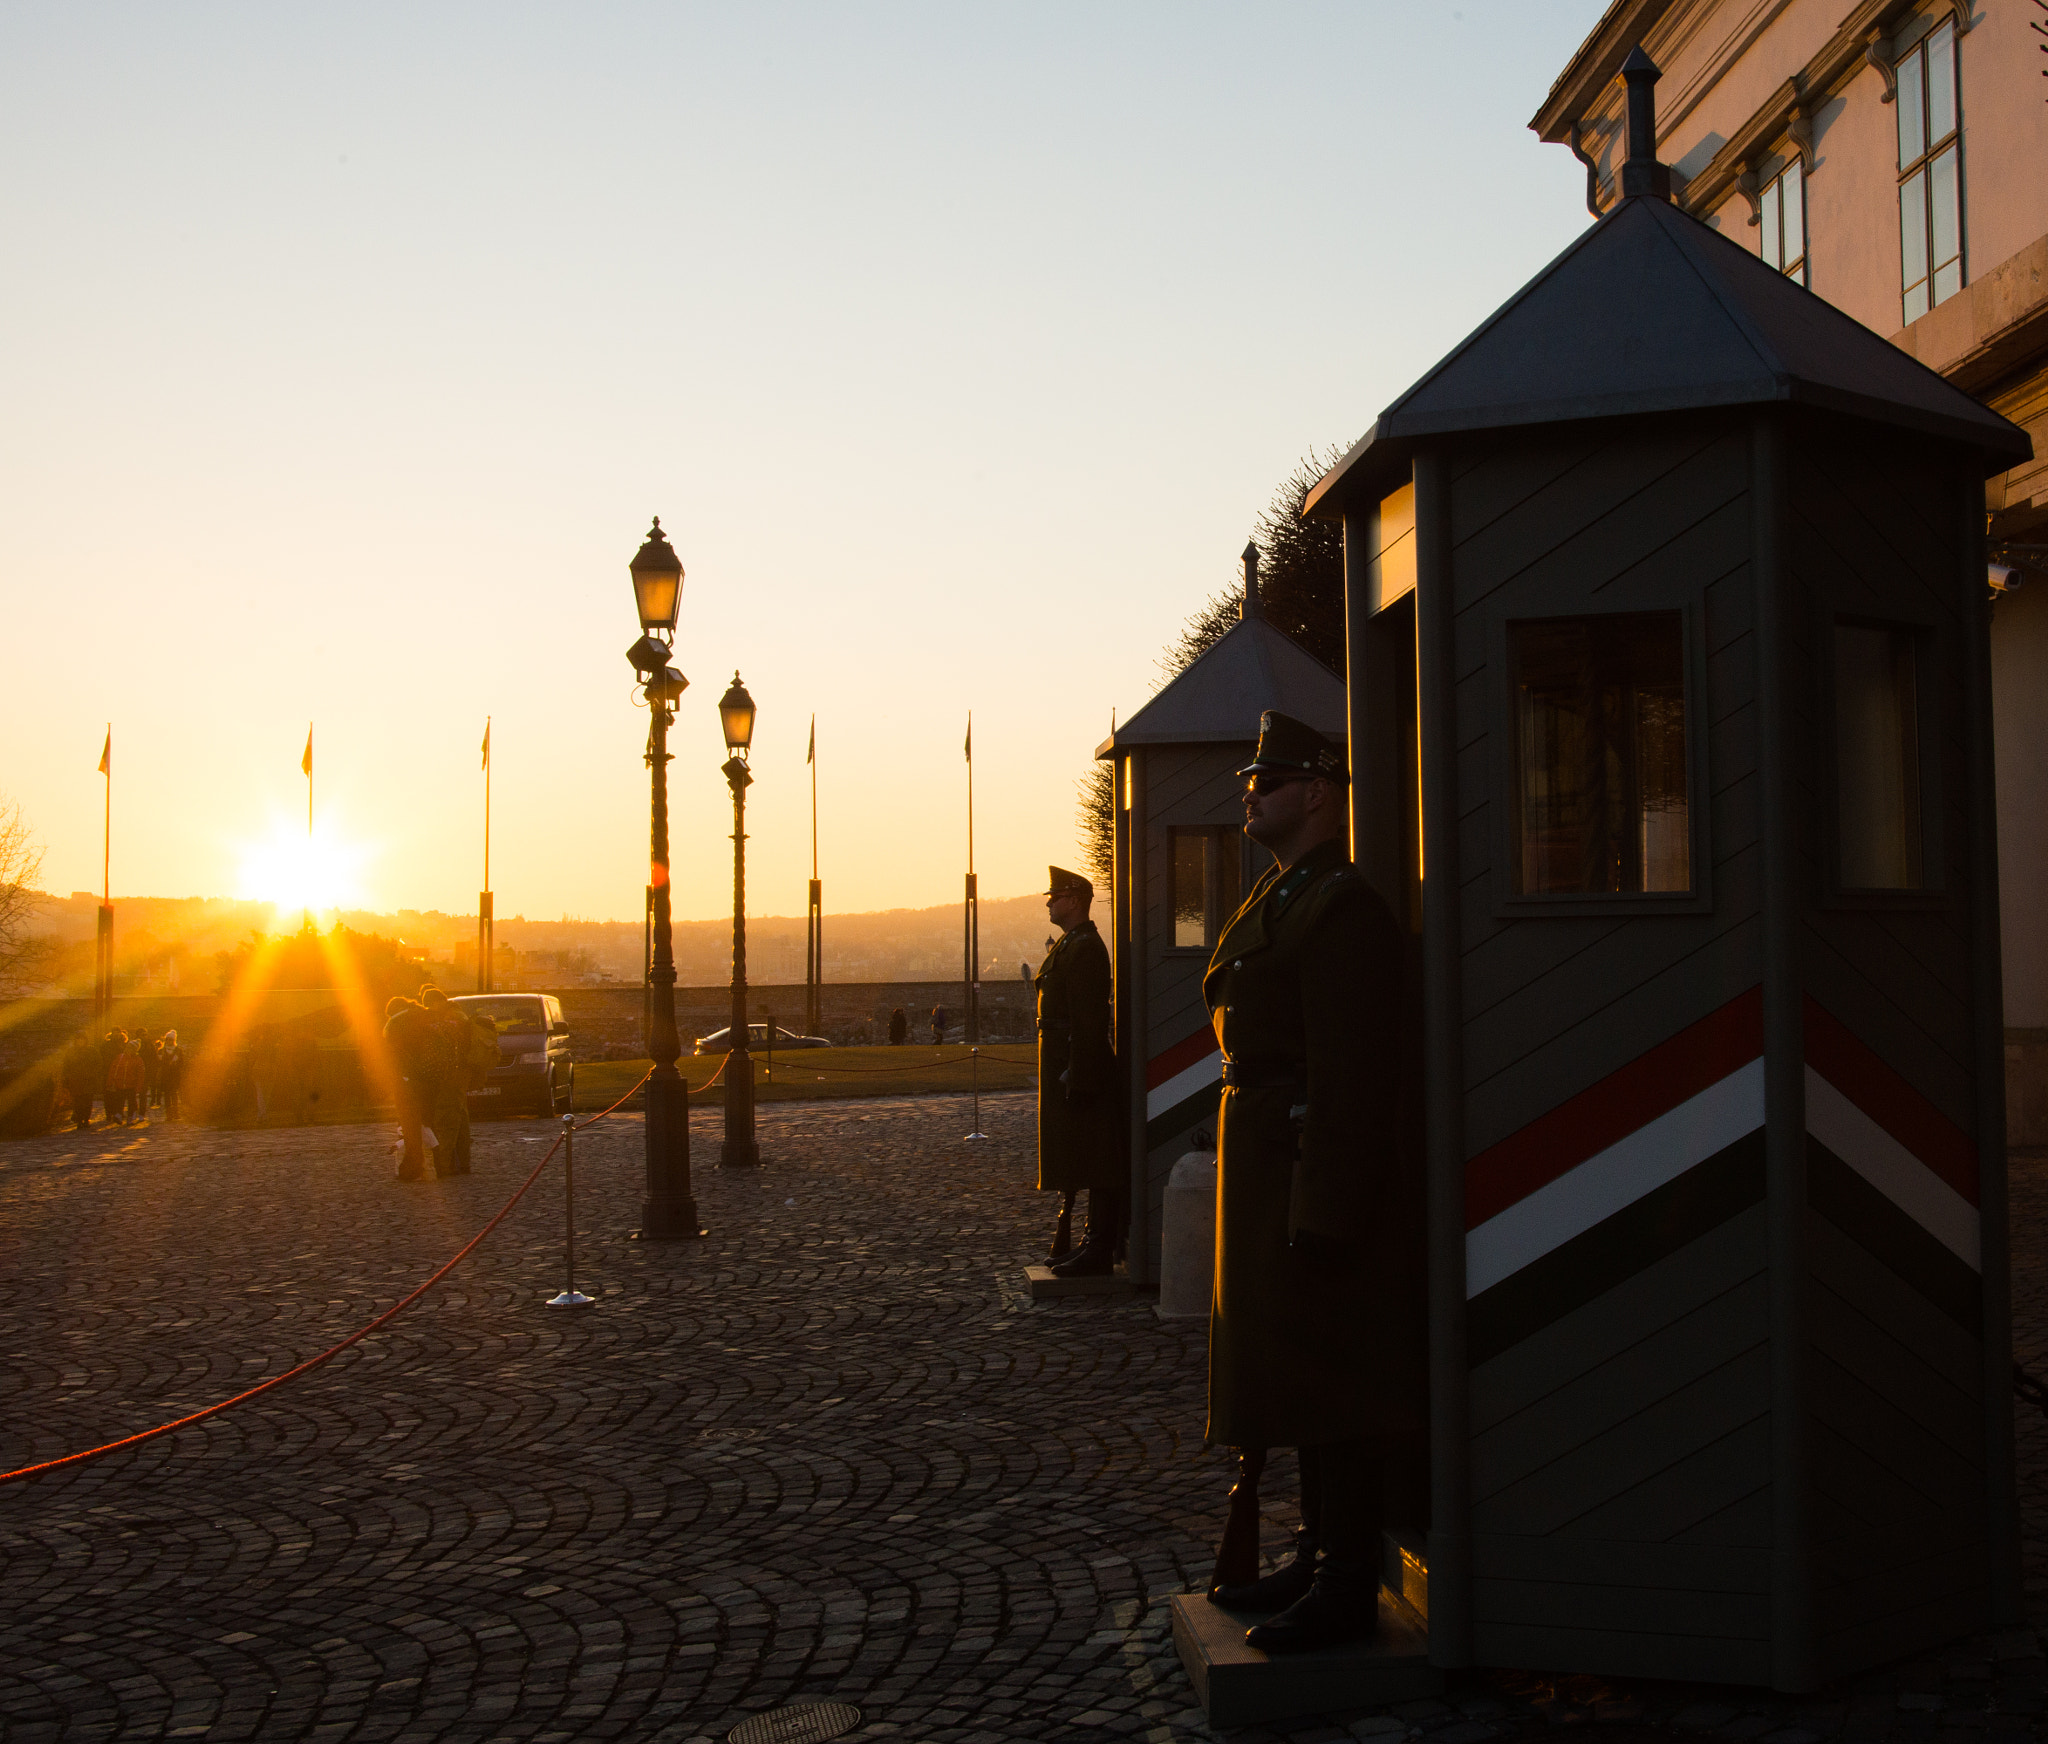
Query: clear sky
[349, 350]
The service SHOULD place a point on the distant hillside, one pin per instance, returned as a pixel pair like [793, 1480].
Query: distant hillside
[171, 943]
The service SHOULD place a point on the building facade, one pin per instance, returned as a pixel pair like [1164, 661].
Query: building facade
[1892, 157]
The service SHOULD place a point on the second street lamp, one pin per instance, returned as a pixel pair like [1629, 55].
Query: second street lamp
[669, 1210]
[736, 715]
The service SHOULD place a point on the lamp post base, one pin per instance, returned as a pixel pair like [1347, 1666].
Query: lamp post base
[668, 1213]
[740, 1147]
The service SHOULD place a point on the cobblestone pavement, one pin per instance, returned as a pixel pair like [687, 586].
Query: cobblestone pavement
[827, 1452]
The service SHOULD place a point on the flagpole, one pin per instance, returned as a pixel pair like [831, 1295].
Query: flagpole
[971, 916]
[103, 978]
[486, 920]
[814, 923]
[308, 766]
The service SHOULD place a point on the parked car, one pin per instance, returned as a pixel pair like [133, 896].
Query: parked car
[534, 1073]
[719, 1041]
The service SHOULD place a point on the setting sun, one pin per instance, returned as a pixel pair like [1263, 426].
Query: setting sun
[297, 871]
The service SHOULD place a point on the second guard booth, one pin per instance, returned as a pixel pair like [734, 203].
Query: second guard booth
[1182, 866]
[1669, 716]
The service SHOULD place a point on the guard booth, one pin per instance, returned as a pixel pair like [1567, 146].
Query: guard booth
[1182, 866]
[1669, 715]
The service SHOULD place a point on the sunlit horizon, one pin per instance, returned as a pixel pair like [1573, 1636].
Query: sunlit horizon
[299, 871]
[958, 350]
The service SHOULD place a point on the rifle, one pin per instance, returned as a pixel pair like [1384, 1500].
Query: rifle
[1237, 1557]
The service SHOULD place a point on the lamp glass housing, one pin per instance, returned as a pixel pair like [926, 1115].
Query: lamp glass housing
[736, 714]
[657, 582]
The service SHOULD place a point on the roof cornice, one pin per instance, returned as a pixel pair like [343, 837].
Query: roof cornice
[1593, 68]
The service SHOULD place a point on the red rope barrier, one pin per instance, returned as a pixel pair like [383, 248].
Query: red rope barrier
[332, 1351]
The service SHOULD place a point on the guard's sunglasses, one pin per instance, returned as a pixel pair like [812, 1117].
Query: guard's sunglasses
[1268, 779]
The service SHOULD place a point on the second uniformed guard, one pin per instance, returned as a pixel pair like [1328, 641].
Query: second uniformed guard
[1080, 1117]
[1304, 991]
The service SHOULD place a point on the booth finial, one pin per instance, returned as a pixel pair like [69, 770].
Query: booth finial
[1250, 607]
[1642, 173]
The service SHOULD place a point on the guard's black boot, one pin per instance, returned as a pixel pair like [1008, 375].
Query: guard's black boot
[1095, 1258]
[1276, 1591]
[1342, 1605]
[1062, 1236]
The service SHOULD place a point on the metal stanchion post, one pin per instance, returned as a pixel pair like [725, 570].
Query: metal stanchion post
[974, 1071]
[571, 1297]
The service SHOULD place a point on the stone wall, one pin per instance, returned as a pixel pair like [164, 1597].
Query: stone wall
[602, 1020]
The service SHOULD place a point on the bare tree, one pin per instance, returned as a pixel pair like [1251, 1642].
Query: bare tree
[1301, 588]
[24, 956]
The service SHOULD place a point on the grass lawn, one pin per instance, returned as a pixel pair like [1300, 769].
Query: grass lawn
[811, 1072]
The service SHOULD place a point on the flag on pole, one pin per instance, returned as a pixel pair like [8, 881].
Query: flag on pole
[968, 749]
[811, 751]
[107, 754]
[487, 741]
[306, 762]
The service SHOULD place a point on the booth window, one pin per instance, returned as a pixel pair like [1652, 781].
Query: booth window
[1600, 804]
[1930, 174]
[1877, 758]
[1205, 885]
[1781, 217]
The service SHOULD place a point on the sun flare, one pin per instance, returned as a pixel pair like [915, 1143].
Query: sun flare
[296, 871]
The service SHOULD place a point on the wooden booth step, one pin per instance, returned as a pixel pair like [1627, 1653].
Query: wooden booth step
[1046, 1288]
[1239, 1686]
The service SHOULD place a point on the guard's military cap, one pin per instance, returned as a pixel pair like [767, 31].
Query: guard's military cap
[1058, 878]
[1295, 747]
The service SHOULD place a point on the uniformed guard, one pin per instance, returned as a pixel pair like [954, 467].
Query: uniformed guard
[1080, 1125]
[1304, 1334]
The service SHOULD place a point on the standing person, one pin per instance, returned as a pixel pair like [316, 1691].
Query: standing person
[408, 1033]
[112, 1045]
[437, 1066]
[1310, 1326]
[1079, 1112]
[124, 1082]
[152, 1071]
[173, 1073]
[82, 1071]
[899, 1027]
[449, 1111]
[938, 1025]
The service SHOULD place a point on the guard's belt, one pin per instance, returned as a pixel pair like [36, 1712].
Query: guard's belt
[1265, 1074]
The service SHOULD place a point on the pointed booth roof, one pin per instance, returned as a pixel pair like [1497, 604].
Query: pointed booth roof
[1653, 311]
[1218, 700]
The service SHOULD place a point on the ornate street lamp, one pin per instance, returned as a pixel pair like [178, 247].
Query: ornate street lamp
[736, 714]
[668, 1211]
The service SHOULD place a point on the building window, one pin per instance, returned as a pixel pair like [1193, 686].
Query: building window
[1206, 889]
[1781, 213]
[1877, 758]
[1930, 173]
[1600, 803]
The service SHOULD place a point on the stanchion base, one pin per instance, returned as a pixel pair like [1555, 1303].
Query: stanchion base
[975, 1138]
[571, 1299]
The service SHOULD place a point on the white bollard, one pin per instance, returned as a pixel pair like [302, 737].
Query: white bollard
[1187, 1239]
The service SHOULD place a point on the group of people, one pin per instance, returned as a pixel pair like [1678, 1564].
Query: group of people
[129, 1075]
[899, 1026]
[439, 1054]
[1314, 1325]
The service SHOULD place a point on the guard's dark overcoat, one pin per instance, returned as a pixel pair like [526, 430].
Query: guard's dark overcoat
[1310, 1331]
[1080, 1116]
